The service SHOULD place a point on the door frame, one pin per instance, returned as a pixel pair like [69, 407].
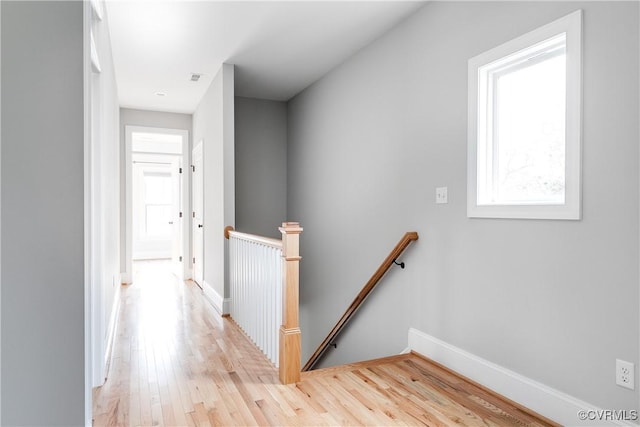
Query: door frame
[197, 146]
[127, 275]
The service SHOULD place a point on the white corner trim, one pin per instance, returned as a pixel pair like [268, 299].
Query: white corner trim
[220, 304]
[86, 358]
[88, 289]
[113, 327]
[547, 401]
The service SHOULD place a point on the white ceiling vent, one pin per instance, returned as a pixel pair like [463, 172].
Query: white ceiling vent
[195, 77]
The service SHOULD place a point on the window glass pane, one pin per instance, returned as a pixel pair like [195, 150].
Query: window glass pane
[157, 188]
[143, 142]
[157, 220]
[529, 133]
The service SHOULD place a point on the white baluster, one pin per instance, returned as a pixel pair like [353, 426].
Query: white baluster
[243, 317]
[256, 269]
[259, 299]
[272, 330]
[257, 296]
[263, 296]
[232, 260]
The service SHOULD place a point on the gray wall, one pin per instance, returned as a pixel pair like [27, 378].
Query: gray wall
[213, 123]
[157, 119]
[261, 166]
[42, 214]
[556, 301]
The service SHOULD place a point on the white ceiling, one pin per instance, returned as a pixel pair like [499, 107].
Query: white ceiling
[279, 48]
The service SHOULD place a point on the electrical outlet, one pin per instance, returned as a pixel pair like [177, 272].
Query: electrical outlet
[625, 374]
[441, 195]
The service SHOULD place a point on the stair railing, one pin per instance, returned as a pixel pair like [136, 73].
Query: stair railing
[360, 298]
[264, 288]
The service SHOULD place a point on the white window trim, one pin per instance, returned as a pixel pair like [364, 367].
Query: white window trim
[571, 209]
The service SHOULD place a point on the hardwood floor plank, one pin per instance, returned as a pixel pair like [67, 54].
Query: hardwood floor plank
[351, 366]
[200, 415]
[518, 411]
[144, 389]
[312, 397]
[269, 413]
[344, 402]
[283, 404]
[337, 411]
[134, 393]
[425, 392]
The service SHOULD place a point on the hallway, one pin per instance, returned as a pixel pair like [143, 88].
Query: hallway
[172, 352]
[176, 362]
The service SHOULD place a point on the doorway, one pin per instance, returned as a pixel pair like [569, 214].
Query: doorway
[157, 198]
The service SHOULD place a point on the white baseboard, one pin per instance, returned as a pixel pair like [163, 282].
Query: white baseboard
[536, 396]
[220, 304]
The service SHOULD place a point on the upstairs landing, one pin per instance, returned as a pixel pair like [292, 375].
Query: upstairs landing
[176, 362]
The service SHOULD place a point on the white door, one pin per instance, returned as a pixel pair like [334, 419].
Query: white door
[197, 224]
[176, 218]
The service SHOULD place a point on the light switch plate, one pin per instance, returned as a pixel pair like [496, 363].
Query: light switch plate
[441, 195]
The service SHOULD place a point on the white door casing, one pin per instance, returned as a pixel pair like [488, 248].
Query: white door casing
[128, 246]
[177, 254]
[197, 216]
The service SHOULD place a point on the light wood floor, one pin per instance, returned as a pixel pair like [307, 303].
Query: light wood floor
[176, 362]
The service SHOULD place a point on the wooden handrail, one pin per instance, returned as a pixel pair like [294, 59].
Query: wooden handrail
[366, 290]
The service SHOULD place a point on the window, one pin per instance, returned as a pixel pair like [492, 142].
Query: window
[146, 142]
[524, 125]
[158, 200]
